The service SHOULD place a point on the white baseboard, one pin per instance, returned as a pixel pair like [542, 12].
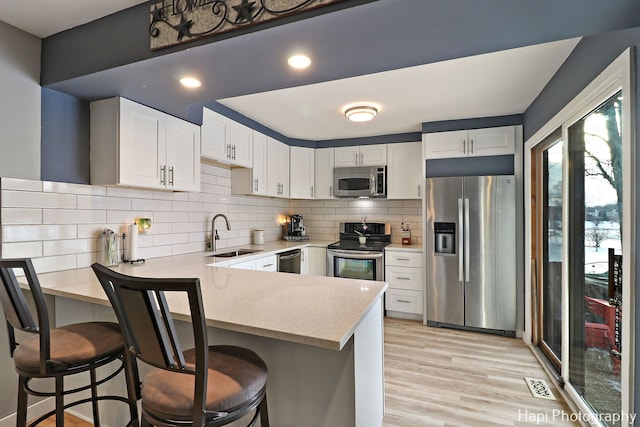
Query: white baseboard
[34, 411]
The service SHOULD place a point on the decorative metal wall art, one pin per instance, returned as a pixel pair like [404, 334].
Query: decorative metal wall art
[178, 21]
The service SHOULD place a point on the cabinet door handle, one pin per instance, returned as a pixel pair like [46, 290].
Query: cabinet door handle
[312, 191]
[171, 176]
[404, 301]
[361, 159]
[403, 259]
[267, 265]
[471, 146]
[330, 191]
[163, 175]
[233, 152]
[403, 278]
[229, 151]
[356, 159]
[255, 186]
[419, 191]
[464, 146]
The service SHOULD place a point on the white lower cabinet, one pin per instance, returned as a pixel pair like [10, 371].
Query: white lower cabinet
[268, 263]
[244, 265]
[404, 273]
[313, 261]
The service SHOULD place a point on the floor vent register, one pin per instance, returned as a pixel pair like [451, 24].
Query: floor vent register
[539, 388]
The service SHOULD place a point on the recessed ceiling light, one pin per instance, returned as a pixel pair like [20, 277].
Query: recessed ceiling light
[361, 113]
[190, 82]
[299, 62]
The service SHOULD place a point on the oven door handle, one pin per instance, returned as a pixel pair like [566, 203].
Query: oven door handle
[357, 254]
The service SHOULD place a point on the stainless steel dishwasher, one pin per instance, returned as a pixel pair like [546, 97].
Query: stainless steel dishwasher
[289, 262]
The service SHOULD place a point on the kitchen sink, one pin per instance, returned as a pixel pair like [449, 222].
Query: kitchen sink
[238, 252]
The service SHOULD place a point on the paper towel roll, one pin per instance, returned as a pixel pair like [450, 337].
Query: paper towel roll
[132, 246]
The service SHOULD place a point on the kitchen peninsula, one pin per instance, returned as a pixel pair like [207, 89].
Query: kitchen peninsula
[321, 337]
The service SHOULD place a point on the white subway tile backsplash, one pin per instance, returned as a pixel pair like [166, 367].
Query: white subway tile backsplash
[155, 251]
[68, 188]
[29, 199]
[26, 233]
[187, 248]
[55, 263]
[20, 184]
[127, 217]
[21, 216]
[66, 247]
[167, 195]
[188, 227]
[70, 216]
[160, 217]
[99, 202]
[22, 250]
[170, 239]
[186, 206]
[58, 224]
[131, 193]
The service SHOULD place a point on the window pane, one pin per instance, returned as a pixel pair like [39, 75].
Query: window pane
[595, 220]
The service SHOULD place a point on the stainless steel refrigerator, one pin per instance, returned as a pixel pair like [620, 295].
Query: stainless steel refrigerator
[471, 252]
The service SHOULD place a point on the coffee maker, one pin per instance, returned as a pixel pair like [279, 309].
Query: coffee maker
[294, 228]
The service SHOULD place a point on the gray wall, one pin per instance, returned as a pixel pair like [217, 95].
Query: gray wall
[19, 103]
[590, 58]
[65, 138]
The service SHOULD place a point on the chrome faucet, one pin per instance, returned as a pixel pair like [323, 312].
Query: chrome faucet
[214, 232]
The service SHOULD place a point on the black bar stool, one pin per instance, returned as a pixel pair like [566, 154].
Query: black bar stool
[58, 352]
[204, 386]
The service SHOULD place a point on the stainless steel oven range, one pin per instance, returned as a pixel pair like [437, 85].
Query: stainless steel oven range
[352, 259]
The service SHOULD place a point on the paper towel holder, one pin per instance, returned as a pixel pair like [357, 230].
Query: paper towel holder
[141, 225]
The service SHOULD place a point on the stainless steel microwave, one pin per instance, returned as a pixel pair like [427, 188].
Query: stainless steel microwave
[363, 181]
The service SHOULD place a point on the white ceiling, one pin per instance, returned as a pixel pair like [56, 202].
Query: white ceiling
[494, 84]
[43, 18]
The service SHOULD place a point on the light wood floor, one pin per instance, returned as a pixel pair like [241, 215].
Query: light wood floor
[444, 377]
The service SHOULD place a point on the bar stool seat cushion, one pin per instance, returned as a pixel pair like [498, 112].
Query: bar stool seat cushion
[71, 345]
[236, 375]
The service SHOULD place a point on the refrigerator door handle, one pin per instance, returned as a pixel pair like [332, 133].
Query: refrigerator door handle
[466, 239]
[460, 242]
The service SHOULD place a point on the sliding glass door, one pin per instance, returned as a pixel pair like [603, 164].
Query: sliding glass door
[549, 242]
[594, 230]
[581, 234]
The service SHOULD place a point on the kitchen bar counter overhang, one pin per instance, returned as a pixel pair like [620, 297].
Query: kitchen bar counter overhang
[321, 337]
[313, 310]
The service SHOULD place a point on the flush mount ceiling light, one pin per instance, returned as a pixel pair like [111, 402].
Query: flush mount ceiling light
[361, 113]
[299, 62]
[190, 82]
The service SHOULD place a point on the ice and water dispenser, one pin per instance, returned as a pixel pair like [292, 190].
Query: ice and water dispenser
[445, 237]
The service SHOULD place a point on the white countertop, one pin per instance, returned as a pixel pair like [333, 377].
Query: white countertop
[405, 248]
[314, 310]
[269, 248]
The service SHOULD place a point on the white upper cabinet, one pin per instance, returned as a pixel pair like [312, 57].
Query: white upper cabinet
[404, 170]
[259, 170]
[252, 180]
[363, 155]
[137, 146]
[473, 142]
[277, 168]
[325, 161]
[226, 141]
[183, 155]
[302, 176]
[239, 139]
